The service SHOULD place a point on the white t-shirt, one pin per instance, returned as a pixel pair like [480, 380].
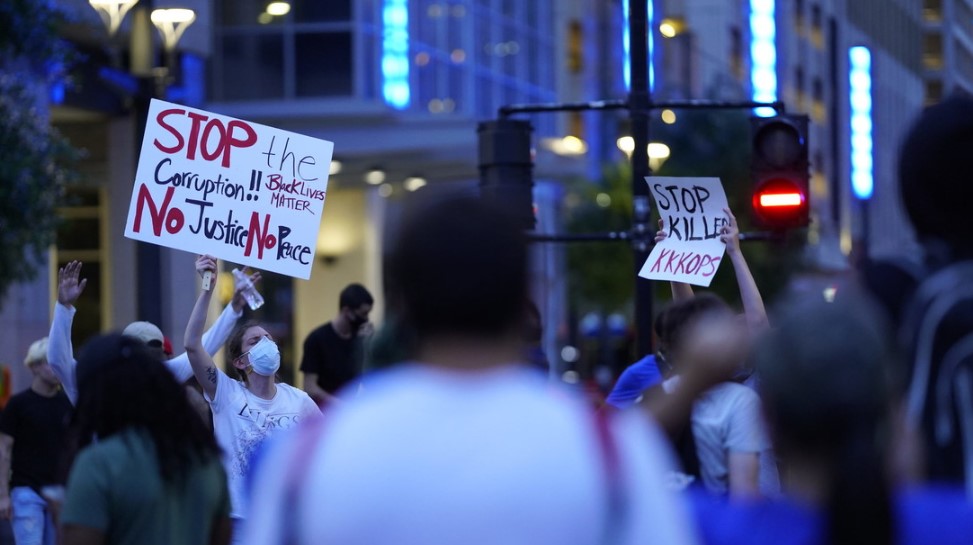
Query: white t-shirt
[727, 418]
[242, 421]
[432, 456]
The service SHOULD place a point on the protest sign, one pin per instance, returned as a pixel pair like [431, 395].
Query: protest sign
[240, 191]
[692, 213]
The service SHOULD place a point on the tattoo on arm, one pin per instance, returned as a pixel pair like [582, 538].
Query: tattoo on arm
[211, 374]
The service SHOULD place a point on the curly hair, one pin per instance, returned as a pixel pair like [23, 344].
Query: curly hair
[122, 386]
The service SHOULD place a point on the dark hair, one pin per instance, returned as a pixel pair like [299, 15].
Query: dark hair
[825, 378]
[354, 296]
[670, 325]
[234, 345]
[934, 173]
[460, 267]
[122, 386]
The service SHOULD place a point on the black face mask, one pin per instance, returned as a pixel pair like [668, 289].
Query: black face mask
[356, 322]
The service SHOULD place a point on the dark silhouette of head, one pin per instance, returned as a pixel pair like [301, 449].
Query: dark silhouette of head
[826, 377]
[122, 385]
[936, 175]
[354, 296]
[460, 269]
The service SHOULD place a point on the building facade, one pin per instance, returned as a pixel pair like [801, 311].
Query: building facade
[798, 51]
[947, 47]
[397, 85]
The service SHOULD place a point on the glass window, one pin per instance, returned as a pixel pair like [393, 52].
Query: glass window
[323, 64]
[932, 51]
[316, 11]
[932, 10]
[252, 66]
[79, 234]
[234, 13]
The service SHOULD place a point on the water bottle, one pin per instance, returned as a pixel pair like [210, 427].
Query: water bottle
[250, 293]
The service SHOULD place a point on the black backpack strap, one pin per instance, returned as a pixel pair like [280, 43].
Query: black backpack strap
[937, 332]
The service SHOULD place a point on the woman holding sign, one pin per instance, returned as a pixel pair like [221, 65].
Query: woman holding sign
[729, 449]
[244, 412]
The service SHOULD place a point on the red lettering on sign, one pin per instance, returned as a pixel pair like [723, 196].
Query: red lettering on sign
[173, 219]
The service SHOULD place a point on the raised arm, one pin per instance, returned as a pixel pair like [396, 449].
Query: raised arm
[753, 303]
[60, 352]
[199, 359]
[680, 290]
[215, 336]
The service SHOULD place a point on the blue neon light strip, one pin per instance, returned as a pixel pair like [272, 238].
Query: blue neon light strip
[395, 53]
[860, 96]
[763, 54]
[626, 49]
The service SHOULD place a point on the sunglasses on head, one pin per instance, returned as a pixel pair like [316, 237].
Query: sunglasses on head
[154, 343]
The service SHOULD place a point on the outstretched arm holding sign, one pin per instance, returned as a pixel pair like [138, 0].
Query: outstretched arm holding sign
[202, 363]
[753, 303]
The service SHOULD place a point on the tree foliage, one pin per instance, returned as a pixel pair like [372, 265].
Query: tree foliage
[35, 161]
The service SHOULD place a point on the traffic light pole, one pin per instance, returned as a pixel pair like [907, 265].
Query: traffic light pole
[640, 106]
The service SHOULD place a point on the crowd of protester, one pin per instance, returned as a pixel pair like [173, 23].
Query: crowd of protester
[823, 422]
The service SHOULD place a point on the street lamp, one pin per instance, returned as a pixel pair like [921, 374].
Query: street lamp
[172, 22]
[150, 81]
[112, 12]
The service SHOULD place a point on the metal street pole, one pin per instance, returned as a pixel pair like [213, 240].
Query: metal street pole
[640, 106]
[148, 257]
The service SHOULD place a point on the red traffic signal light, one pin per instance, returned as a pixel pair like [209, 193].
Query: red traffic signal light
[779, 171]
[781, 203]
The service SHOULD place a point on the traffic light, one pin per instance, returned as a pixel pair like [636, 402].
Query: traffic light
[506, 168]
[779, 171]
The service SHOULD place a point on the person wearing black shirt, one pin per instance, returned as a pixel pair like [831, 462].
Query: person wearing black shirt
[32, 429]
[333, 353]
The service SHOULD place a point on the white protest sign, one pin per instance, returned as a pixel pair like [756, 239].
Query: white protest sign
[243, 192]
[692, 213]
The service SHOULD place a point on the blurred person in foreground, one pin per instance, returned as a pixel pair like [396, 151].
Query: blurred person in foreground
[829, 383]
[926, 293]
[146, 469]
[468, 443]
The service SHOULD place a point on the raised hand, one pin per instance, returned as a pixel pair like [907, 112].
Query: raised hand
[68, 286]
[204, 264]
[661, 234]
[730, 234]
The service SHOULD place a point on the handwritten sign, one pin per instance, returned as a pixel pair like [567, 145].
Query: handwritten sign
[243, 192]
[692, 213]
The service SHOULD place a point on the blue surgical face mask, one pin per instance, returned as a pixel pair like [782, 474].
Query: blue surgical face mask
[264, 357]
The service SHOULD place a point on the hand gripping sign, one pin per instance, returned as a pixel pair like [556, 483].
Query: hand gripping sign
[692, 213]
[243, 192]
